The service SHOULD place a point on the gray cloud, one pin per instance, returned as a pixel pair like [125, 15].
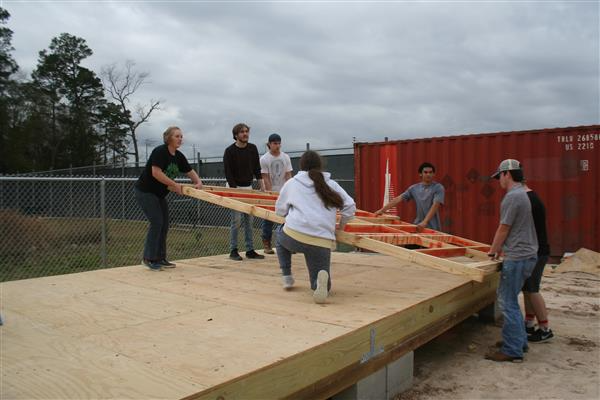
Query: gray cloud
[327, 72]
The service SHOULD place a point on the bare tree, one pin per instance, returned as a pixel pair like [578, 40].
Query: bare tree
[121, 84]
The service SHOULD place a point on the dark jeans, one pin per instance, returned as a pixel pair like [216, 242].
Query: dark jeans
[237, 219]
[317, 258]
[156, 210]
[267, 229]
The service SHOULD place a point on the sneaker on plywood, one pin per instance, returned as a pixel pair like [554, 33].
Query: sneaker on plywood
[167, 264]
[288, 281]
[321, 292]
[253, 254]
[153, 265]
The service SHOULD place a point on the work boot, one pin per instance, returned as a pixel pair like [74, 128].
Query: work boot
[268, 249]
[500, 357]
[501, 343]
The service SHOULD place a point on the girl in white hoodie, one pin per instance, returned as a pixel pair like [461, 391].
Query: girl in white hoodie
[309, 202]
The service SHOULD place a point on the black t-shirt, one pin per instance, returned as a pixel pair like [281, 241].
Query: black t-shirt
[171, 165]
[539, 219]
[241, 165]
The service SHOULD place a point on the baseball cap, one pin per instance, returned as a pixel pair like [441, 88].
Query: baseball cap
[506, 165]
[273, 137]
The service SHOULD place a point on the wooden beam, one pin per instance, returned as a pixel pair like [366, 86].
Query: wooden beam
[233, 204]
[445, 252]
[257, 201]
[412, 256]
[207, 188]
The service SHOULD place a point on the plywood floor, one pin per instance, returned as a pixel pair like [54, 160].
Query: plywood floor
[133, 333]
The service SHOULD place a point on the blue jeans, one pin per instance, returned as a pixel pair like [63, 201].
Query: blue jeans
[512, 277]
[267, 229]
[317, 258]
[237, 218]
[156, 210]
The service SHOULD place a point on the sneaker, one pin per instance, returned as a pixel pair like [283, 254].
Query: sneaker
[529, 330]
[500, 357]
[501, 343]
[253, 254]
[541, 335]
[268, 249]
[167, 264]
[288, 281]
[320, 294]
[234, 255]
[153, 265]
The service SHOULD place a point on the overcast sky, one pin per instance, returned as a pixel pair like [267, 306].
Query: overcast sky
[325, 72]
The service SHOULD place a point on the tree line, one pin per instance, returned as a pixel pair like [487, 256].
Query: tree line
[65, 114]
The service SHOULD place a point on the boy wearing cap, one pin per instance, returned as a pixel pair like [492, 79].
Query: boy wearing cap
[516, 238]
[242, 165]
[276, 169]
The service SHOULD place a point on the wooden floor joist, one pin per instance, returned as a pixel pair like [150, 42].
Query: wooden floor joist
[380, 234]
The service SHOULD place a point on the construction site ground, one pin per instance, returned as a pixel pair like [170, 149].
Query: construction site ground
[568, 367]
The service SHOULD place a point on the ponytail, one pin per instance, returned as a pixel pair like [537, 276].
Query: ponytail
[311, 162]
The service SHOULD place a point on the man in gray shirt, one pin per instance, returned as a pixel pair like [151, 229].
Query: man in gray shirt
[517, 240]
[428, 196]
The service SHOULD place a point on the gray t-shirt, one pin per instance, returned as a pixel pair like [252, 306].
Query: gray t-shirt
[515, 211]
[276, 167]
[424, 197]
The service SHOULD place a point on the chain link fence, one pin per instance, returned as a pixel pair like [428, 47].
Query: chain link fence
[51, 226]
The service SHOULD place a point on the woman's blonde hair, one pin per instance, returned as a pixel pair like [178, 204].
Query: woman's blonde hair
[169, 132]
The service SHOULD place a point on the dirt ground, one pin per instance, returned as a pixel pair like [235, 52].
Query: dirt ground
[568, 367]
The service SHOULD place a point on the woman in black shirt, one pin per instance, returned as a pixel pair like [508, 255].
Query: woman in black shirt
[163, 166]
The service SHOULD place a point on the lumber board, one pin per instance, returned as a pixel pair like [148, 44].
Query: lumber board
[412, 256]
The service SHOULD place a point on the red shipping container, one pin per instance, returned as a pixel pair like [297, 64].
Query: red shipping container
[560, 164]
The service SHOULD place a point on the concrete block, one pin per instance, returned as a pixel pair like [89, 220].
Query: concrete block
[384, 384]
[372, 387]
[400, 375]
[491, 314]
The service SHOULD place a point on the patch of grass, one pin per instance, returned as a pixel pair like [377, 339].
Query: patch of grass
[55, 246]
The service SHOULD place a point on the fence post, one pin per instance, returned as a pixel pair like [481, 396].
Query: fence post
[71, 191]
[103, 221]
[197, 221]
[123, 189]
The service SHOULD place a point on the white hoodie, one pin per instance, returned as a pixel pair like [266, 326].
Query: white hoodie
[304, 210]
